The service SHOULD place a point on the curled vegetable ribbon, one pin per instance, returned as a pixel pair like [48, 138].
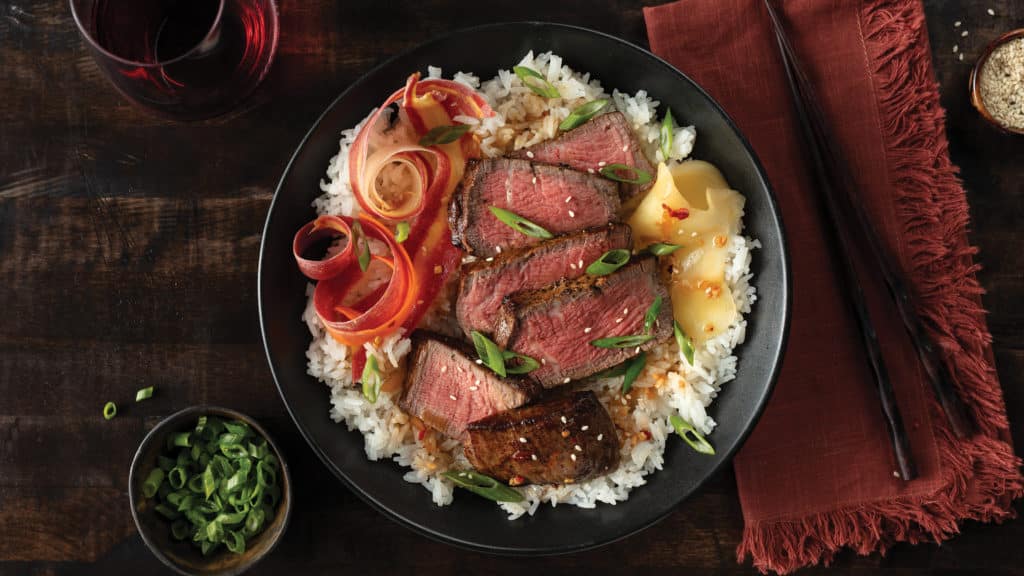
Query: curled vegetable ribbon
[422, 263]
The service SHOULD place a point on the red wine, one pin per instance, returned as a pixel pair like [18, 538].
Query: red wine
[186, 58]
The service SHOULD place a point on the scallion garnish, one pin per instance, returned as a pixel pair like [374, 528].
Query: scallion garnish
[663, 248]
[489, 352]
[652, 315]
[622, 341]
[534, 81]
[668, 126]
[444, 134]
[224, 500]
[109, 410]
[519, 224]
[181, 439]
[582, 114]
[144, 393]
[609, 262]
[639, 176]
[684, 342]
[362, 247]
[371, 379]
[401, 232]
[690, 434]
[483, 485]
[519, 364]
[633, 369]
[613, 372]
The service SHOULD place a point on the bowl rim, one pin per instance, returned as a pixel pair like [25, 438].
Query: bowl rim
[785, 285]
[974, 82]
[162, 428]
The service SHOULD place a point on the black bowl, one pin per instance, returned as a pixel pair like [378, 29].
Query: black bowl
[182, 556]
[472, 522]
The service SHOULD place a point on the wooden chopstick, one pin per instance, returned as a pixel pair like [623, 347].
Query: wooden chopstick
[936, 369]
[826, 185]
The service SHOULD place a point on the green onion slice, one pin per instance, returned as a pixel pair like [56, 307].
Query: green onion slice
[152, 483]
[633, 369]
[663, 248]
[521, 364]
[181, 439]
[362, 247]
[622, 341]
[609, 262]
[519, 224]
[177, 477]
[401, 232]
[372, 380]
[684, 342]
[652, 315]
[582, 114]
[536, 82]
[612, 172]
[489, 353]
[444, 134]
[690, 434]
[109, 410]
[144, 393]
[668, 126]
[483, 485]
[613, 372]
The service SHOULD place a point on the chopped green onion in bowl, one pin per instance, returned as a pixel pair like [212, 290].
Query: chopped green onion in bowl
[536, 82]
[581, 114]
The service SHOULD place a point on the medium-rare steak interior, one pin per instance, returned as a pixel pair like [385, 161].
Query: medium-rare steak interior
[603, 141]
[558, 199]
[556, 325]
[446, 389]
[484, 284]
[563, 439]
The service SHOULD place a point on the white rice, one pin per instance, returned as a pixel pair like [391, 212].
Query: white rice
[667, 385]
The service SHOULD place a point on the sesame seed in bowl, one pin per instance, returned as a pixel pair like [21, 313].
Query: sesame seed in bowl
[997, 82]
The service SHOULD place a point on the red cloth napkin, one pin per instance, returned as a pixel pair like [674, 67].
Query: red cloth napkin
[817, 474]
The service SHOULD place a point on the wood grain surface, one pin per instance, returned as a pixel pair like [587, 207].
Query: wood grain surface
[128, 255]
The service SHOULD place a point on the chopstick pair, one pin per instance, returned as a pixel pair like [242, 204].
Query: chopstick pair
[839, 195]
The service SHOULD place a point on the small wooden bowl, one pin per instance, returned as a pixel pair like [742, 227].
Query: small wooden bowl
[975, 82]
[182, 556]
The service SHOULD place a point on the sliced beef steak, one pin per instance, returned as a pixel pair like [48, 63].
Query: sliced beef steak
[606, 139]
[485, 284]
[556, 325]
[557, 199]
[560, 440]
[446, 389]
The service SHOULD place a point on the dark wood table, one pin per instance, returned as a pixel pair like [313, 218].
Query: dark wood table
[128, 255]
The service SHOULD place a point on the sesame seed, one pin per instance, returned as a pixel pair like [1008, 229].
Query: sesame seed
[625, 148]
[590, 170]
[580, 263]
[567, 380]
[529, 154]
[956, 48]
[693, 234]
[497, 249]
[601, 163]
[587, 330]
[957, 24]
[533, 457]
[618, 320]
[563, 420]
[534, 179]
[544, 361]
[572, 214]
[585, 428]
[572, 266]
[567, 199]
[625, 311]
[479, 361]
[523, 440]
[452, 396]
[961, 56]
[577, 448]
[477, 383]
[991, 12]
[474, 388]
[573, 456]
[444, 369]
[964, 33]
[600, 437]
[489, 259]
[637, 351]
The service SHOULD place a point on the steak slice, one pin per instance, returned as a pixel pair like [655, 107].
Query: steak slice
[557, 199]
[605, 139]
[496, 446]
[447, 389]
[485, 284]
[556, 325]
